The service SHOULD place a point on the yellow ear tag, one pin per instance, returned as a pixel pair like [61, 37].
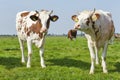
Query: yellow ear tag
[54, 19]
[94, 18]
[76, 20]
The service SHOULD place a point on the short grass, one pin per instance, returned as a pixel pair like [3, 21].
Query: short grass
[65, 60]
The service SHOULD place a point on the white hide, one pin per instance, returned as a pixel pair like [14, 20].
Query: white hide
[21, 23]
[105, 27]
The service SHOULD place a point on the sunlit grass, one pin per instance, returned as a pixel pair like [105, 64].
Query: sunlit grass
[65, 60]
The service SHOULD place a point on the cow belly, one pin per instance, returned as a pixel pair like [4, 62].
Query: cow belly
[36, 39]
[38, 43]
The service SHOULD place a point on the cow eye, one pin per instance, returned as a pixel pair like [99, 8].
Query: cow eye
[87, 21]
[34, 18]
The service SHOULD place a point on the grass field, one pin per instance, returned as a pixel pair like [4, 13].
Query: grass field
[65, 60]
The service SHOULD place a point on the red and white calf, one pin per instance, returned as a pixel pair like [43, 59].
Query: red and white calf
[99, 29]
[32, 26]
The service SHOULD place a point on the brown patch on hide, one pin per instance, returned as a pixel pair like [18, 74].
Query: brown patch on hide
[97, 15]
[35, 28]
[24, 14]
[19, 29]
[72, 34]
[26, 29]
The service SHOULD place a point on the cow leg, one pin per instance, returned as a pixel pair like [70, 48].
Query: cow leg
[22, 50]
[42, 57]
[29, 46]
[91, 49]
[112, 39]
[104, 58]
[96, 55]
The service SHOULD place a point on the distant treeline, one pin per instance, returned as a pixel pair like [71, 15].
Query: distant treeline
[7, 35]
[47, 35]
[116, 35]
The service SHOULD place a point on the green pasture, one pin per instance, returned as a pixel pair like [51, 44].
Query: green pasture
[65, 60]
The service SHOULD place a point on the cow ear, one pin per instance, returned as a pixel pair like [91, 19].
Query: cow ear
[33, 17]
[95, 17]
[24, 14]
[74, 18]
[54, 18]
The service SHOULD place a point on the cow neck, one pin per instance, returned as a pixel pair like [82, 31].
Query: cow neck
[96, 31]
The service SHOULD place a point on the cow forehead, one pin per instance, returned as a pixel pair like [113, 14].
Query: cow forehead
[44, 11]
[44, 15]
[83, 15]
[32, 13]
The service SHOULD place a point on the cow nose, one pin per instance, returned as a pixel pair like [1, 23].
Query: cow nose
[43, 30]
[77, 27]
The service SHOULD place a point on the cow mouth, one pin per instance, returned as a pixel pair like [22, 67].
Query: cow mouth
[77, 28]
[44, 31]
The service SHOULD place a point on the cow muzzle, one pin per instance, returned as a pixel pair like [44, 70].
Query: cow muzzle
[77, 27]
[44, 30]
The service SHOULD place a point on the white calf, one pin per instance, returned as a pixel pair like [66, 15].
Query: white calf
[99, 28]
[32, 26]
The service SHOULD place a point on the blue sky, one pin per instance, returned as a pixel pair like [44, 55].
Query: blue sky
[63, 8]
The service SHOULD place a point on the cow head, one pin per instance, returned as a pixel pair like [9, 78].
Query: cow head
[43, 17]
[85, 20]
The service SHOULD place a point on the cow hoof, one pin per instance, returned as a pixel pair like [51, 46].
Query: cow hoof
[105, 71]
[97, 63]
[23, 61]
[91, 72]
[43, 66]
[28, 66]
